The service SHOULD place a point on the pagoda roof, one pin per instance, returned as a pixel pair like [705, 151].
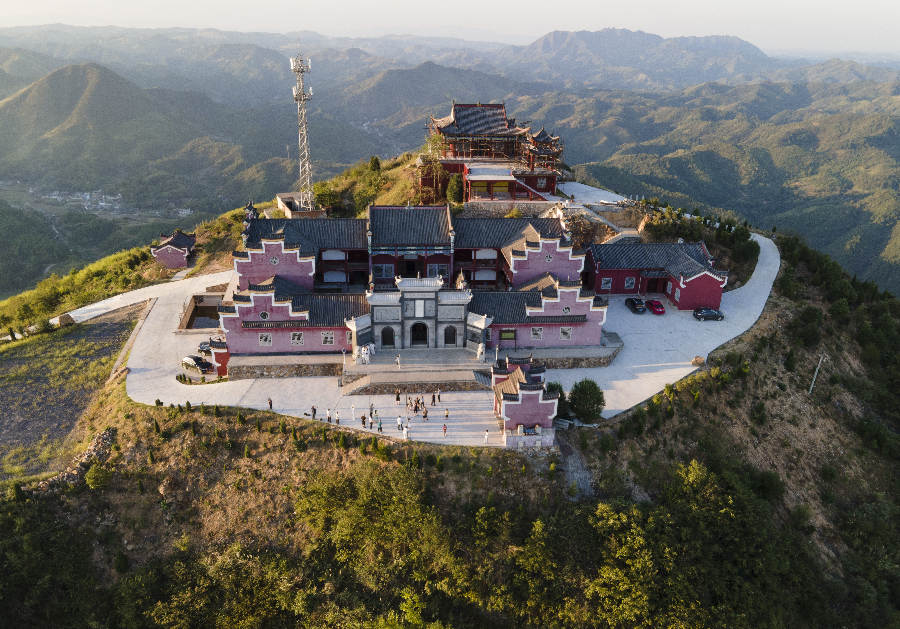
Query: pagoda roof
[544, 137]
[478, 120]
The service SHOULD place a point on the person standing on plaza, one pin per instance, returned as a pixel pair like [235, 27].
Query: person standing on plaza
[314, 413]
[398, 397]
[379, 426]
[398, 362]
[352, 411]
[486, 434]
[439, 395]
[406, 432]
[371, 409]
[371, 419]
[399, 423]
[337, 417]
[363, 421]
[446, 414]
[433, 395]
[329, 415]
[270, 404]
[425, 415]
[445, 430]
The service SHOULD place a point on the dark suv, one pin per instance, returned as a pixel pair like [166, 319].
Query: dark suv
[702, 314]
[197, 364]
[636, 305]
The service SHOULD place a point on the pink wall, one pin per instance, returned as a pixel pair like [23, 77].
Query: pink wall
[241, 341]
[587, 333]
[535, 264]
[259, 267]
[170, 257]
[704, 291]
[529, 411]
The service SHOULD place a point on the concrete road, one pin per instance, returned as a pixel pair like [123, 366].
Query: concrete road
[659, 348]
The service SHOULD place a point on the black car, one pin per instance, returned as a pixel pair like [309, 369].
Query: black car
[197, 363]
[636, 305]
[204, 349]
[702, 314]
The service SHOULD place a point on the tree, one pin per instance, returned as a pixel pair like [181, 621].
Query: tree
[455, 189]
[375, 164]
[840, 310]
[24, 313]
[97, 477]
[325, 196]
[562, 406]
[587, 400]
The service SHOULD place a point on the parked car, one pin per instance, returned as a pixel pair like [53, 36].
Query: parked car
[636, 305]
[655, 307]
[204, 349]
[198, 364]
[702, 314]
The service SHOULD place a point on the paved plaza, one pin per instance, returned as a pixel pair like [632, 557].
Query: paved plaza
[658, 350]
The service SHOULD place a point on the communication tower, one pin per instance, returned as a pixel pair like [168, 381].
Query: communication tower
[307, 197]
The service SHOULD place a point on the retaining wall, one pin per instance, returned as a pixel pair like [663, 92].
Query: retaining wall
[247, 372]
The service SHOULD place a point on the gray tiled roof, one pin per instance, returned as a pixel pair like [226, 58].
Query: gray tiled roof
[688, 259]
[543, 136]
[481, 233]
[310, 234]
[179, 240]
[487, 120]
[428, 225]
[283, 287]
[508, 308]
[331, 310]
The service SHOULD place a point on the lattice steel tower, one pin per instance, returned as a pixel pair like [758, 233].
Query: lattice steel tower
[307, 197]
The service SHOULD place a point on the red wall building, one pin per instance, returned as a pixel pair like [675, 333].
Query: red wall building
[173, 251]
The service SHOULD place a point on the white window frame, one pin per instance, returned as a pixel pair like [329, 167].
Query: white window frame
[383, 271]
[265, 339]
[349, 337]
[677, 294]
[606, 283]
[327, 338]
[296, 338]
[263, 315]
[565, 334]
[438, 269]
[629, 283]
[537, 334]
[669, 287]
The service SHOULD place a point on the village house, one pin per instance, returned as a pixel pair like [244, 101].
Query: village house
[173, 251]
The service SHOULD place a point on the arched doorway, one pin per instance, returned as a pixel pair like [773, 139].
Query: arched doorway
[450, 335]
[387, 337]
[419, 334]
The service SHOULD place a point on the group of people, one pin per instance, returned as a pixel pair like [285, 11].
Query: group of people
[365, 353]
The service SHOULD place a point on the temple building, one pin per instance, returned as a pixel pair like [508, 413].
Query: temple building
[496, 158]
[174, 251]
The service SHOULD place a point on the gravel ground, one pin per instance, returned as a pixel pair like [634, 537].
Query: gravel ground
[47, 383]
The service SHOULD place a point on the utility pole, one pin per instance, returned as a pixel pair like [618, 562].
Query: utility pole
[815, 375]
[299, 68]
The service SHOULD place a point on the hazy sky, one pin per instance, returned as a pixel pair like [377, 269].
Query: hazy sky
[773, 25]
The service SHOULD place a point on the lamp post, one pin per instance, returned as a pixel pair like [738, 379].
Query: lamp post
[344, 354]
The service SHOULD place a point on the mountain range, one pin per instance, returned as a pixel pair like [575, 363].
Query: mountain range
[203, 117]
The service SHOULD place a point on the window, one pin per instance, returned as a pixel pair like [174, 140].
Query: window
[265, 339]
[274, 260]
[263, 315]
[487, 335]
[565, 334]
[537, 334]
[383, 271]
[438, 269]
[296, 338]
[567, 310]
[349, 337]
[507, 335]
[327, 338]
[548, 258]
[677, 294]
[606, 283]
[541, 182]
[669, 287]
[629, 283]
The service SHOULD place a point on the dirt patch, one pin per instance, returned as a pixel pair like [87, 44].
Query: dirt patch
[47, 382]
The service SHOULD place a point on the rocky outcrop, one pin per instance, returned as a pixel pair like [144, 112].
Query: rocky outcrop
[97, 451]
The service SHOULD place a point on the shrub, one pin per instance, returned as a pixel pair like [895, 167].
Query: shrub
[414, 461]
[217, 412]
[97, 477]
[240, 418]
[439, 464]
[282, 426]
[587, 400]
[247, 451]
[156, 428]
[202, 408]
[259, 425]
[455, 189]
[670, 411]
[150, 456]
[607, 443]
[583, 440]
[758, 413]
[363, 446]
[573, 489]
[187, 407]
[829, 473]
[552, 473]
[840, 310]
[790, 361]
[158, 402]
[430, 460]
[16, 493]
[120, 563]
[342, 441]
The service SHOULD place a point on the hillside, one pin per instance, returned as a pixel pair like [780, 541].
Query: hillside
[733, 498]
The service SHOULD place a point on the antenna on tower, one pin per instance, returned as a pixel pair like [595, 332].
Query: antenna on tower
[299, 68]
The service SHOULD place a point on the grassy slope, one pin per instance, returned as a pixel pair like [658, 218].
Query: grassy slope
[812, 546]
